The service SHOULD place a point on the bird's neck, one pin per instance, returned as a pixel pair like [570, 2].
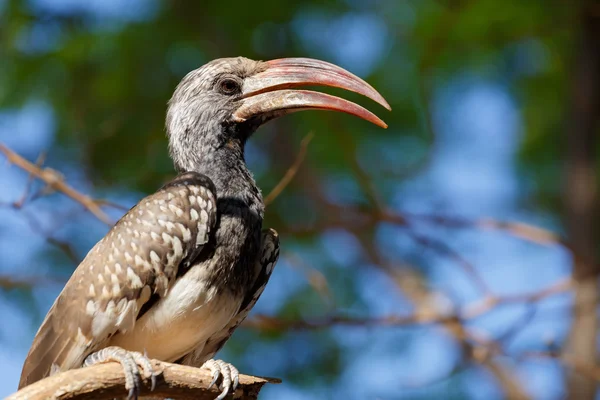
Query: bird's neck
[239, 201]
[224, 164]
[232, 178]
[215, 150]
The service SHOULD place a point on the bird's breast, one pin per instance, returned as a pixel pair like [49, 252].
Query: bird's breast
[237, 242]
[191, 312]
[203, 300]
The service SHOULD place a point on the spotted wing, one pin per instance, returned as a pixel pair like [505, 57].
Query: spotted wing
[139, 257]
[262, 272]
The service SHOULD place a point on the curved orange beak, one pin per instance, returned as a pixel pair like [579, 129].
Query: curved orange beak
[270, 93]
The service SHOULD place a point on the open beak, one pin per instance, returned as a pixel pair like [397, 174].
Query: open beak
[269, 94]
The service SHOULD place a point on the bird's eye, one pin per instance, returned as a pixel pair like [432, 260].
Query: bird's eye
[229, 86]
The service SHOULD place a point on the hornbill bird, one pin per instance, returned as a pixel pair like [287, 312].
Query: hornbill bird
[181, 270]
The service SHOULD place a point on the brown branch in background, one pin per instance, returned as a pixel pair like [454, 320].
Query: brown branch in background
[509, 383]
[65, 247]
[39, 162]
[55, 181]
[108, 203]
[361, 219]
[444, 250]
[272, 324]
[349, 148]
[10, 282]
[62, 245]
[428, 311]
[381, 212]
[420, 317]
[315, 278]
[580, 195]
[291, 172]
[521, 230]
[483, 351]
[581, 367]
[590, 371]
[481, 307]
[107, 381]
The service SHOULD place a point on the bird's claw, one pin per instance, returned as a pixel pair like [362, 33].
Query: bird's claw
[229, 373]
[134, 365]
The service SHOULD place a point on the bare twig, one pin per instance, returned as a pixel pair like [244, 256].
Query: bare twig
[360, 219]
[107, 381]
[55, 181]
[315, 278]
[64, 246]
[291, 172]
[348, 146]
[108, 203]
[453, 325]
[521, 230]
[582, 367]
[469, 312]
[444, 250]
[9, 282]
[481, 307]
[39, 162]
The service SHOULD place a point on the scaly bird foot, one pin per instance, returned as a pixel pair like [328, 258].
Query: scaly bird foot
[230, 374]
[134, 364]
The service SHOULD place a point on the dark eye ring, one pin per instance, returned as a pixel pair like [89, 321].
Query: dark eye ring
[229, 86]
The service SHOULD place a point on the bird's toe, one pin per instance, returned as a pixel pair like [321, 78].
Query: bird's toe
[144, 364]
[134, 366]
[228, 373]
[235, 376]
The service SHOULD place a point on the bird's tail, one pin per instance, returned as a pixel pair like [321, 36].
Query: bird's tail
[49, 351]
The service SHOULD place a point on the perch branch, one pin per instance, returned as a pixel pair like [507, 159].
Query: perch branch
[107, 381]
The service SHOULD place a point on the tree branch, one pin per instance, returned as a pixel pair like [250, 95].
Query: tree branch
[581, 196]
[54, 180]
[291, 172]
[107, 381]
[421, 317]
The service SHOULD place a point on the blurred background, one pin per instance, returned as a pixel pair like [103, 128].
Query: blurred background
[450, 256]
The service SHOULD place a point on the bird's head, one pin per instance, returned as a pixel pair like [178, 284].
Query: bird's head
[219, 105]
